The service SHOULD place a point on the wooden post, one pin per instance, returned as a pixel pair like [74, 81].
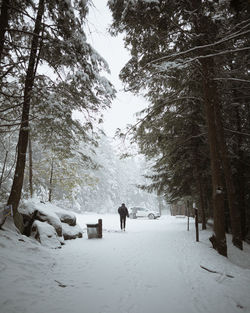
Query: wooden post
[188, 215]
[196, 224]
[100, 228]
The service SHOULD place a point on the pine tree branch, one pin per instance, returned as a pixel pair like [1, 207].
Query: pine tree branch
[19, 123]
[237, 132]
[23, 32]
[174, 55]
[233, 79]
[10, 96]
[216, 54]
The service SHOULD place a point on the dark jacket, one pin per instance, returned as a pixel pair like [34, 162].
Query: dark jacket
[123, 211]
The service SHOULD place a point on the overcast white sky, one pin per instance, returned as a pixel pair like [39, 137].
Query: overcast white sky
[112, 49]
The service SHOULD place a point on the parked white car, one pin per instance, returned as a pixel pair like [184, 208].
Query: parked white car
[142, 212]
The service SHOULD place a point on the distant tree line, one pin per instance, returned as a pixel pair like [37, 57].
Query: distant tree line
[47, 71]
[190, 59]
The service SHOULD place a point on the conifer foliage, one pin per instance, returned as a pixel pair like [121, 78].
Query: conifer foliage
[190, 59]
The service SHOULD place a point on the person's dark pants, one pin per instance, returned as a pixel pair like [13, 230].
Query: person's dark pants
[123, 221]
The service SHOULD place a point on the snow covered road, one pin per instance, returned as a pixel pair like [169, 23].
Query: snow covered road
[154, 267]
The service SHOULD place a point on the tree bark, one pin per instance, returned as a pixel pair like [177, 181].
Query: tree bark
[51, 180]
[211, 101]
[196, 174]
[4, 18]
[241, 180]
[200, 191]
[17, 184]
[30, 168]
[205, 30]
[3, 169]
[231, 196]
[202, 205]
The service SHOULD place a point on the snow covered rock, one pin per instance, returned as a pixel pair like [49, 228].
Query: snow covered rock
[66, 217]
[52, 219]
[63, 222]
[71, 232]
[45, 234]
[45, 214]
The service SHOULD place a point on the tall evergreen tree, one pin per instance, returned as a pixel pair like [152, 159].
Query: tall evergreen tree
[165, 37]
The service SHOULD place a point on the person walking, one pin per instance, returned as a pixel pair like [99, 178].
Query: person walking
[123, 211]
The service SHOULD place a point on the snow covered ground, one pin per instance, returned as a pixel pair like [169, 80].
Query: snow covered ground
[153, 267]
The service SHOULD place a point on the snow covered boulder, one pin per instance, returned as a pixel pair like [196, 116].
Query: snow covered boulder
[52, 219]
[71, 232]
[45, 213]
[65, 216]
[45, 234]
[63, 221]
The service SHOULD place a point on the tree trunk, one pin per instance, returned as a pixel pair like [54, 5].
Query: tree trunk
[231, 196]
[160, 203]
[197, 177]
[242, 195]
[51, 180]
[4, 18]
[209, 202]
[17, 184]
[3, 170]
[206, 30]
[188, 214]
[202, 205]
[211, 101]
[241, 180]
[30, 169]
[200, 191]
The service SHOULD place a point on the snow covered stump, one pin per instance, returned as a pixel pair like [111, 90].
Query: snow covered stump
[94, 230]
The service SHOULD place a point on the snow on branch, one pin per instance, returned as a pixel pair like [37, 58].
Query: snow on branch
[214, 54]
[233, 79]
[200, 47]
